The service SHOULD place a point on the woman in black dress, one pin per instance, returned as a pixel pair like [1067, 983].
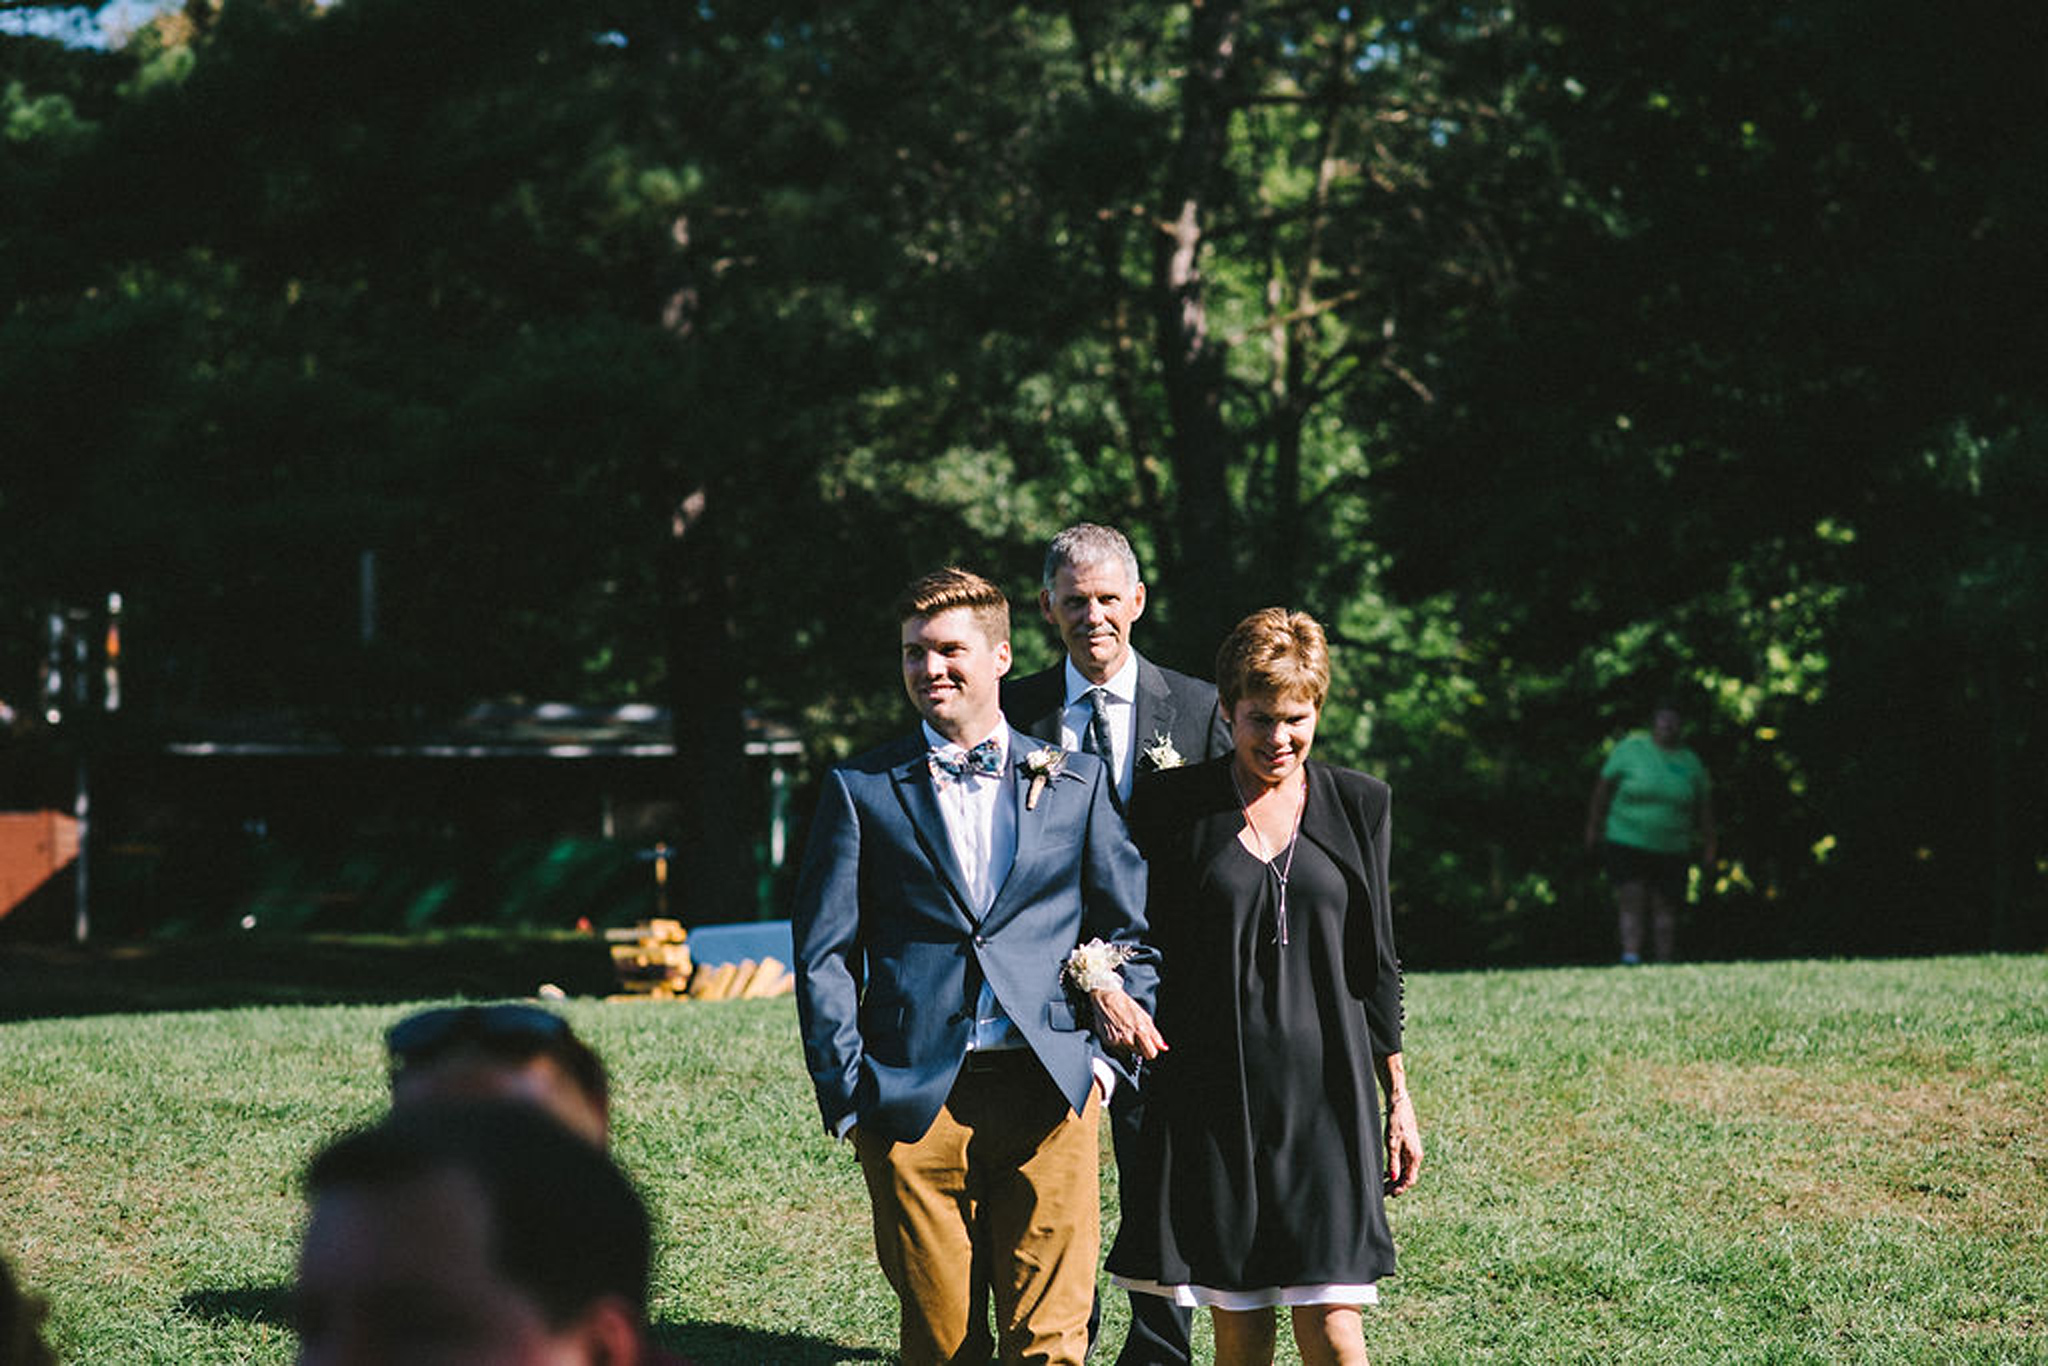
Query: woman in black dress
[1264, 1155]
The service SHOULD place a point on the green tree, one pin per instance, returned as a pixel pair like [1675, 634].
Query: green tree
[1721, 427]
[1556, 355]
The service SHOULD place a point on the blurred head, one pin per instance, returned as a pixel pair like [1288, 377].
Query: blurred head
[956, 649]
[510, 1051]
[21, 1317]
[463, 1234]
[1667, 723]
[1090, 594]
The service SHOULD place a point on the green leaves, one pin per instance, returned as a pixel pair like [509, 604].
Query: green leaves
[1529, 345]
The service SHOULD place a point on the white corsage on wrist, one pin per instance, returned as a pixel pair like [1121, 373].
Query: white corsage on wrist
[1092, 966]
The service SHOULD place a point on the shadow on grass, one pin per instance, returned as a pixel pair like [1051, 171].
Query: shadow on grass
[707, 1344]
[40, 980]
[240, 1304]
[725, 1344]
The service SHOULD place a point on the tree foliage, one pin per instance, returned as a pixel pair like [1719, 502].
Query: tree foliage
[1557, 355]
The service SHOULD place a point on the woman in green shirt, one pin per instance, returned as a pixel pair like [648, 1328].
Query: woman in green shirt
[1652, 798]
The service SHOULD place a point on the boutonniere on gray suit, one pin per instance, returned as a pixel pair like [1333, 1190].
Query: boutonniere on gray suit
[1160, 754]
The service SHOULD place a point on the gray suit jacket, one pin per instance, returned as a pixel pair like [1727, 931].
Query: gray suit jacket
[1171, 706]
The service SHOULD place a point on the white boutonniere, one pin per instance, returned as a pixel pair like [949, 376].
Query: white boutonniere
[1161, 754]
[1092, 966]
[1043, 765]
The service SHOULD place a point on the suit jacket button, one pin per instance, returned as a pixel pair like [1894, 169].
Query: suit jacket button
[980, 942]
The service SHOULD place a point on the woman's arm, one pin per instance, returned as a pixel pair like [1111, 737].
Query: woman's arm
[1596, 811]
[1705, 817]
[1404, 1135]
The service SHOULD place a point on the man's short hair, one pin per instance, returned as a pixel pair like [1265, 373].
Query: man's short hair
[1087, 543]
[511, 1031]
[566, 1226]
[951, 587]
[1274, 652]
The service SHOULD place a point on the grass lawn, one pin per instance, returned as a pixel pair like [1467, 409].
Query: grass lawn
[1769, 1163]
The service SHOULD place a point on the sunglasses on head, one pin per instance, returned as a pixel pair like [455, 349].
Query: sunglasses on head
[509, 1026]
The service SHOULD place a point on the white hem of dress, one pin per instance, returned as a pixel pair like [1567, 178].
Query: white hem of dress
[1239, 1301]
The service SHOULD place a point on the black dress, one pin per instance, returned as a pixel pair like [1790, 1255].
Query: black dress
[1259, 1164]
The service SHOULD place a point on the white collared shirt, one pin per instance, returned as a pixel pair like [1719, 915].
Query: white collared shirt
[980, 812]
[1122, 687]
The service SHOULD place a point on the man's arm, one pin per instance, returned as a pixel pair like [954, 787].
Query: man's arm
[829, 970]
[1113, 891]
[1113, 909]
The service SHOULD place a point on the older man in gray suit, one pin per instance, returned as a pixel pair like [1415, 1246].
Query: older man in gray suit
[1106, 699]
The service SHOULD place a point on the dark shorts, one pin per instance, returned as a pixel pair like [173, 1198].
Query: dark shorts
[1663, 874]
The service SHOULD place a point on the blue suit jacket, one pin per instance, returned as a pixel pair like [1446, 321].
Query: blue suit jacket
[891, 957]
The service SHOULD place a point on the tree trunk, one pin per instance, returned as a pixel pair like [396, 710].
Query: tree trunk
[1204, 552]
[711, 877]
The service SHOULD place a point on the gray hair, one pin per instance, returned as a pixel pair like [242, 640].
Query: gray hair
[1086, 543]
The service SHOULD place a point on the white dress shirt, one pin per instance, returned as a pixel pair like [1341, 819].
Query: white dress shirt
[980, 812]
[1122, 687]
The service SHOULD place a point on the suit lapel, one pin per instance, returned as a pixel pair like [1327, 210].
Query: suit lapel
[1328, 823]
[920, 799]
[1217, 820]
[1324, 820]
[1154, 714]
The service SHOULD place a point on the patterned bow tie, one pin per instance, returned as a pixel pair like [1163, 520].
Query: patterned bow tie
[986, 757]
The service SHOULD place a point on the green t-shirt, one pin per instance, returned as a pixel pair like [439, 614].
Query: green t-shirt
[1657, 794]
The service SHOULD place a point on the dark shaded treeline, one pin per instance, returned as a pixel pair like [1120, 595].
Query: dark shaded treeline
[1558, 357]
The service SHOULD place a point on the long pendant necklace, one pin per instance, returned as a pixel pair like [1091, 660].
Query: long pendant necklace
[1281, 871]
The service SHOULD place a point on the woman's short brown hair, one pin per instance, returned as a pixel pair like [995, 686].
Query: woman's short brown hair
[1274, 652]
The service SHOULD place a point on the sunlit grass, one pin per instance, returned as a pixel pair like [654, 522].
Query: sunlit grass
[1795, 1162]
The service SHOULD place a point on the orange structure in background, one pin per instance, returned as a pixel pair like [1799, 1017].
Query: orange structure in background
[34, 847]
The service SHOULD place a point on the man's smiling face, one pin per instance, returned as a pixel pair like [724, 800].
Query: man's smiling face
[1093, 606]
[951, 671]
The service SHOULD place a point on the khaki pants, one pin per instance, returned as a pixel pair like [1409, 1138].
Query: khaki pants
[999, 1200]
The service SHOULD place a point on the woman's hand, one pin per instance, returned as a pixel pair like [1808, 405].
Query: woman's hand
[1123, 1025]
[1404, 1143]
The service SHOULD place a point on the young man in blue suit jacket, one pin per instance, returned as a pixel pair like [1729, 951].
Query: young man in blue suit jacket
[948, 880]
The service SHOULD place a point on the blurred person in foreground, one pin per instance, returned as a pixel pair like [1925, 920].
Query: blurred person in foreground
[505, 1051]
[462, 1233]
[21, 1317]
[1281, 993]
[1651, 800]
[952, 881]
[508, 1051]
[1140, 719]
